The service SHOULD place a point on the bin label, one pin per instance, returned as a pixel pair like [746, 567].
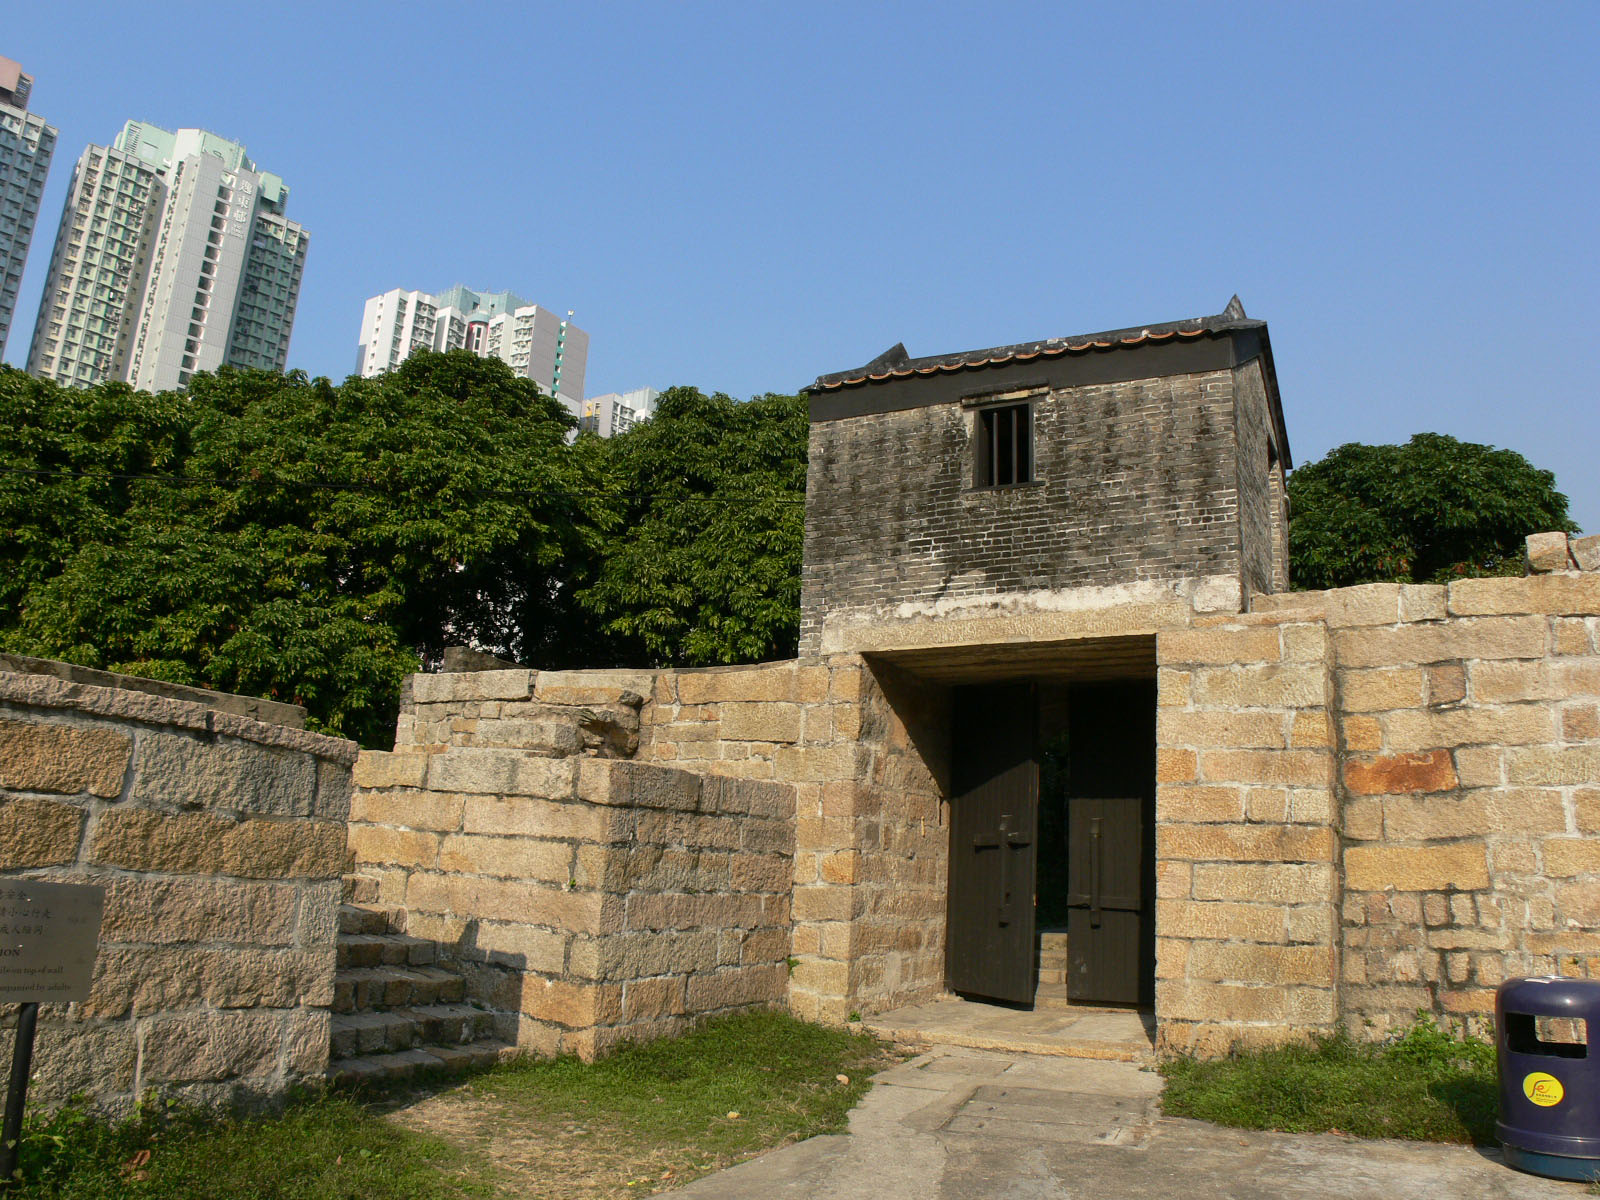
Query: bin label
[1544, 1090]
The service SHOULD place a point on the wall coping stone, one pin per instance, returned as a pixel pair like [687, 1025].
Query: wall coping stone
[52, 691]
[270, 712]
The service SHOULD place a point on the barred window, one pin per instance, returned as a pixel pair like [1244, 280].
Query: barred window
[1005, 446]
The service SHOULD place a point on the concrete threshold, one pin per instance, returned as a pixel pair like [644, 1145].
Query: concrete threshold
[1108, 1034]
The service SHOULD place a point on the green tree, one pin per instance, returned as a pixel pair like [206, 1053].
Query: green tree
[290, 538]
[707, 504]
[1429, 511]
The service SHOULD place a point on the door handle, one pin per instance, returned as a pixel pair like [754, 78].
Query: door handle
[1004, 915]
[1094, 872]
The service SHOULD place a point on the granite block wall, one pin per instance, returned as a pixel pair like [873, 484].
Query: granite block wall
[219, 840]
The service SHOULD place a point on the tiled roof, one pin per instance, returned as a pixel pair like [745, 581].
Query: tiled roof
[896, 364]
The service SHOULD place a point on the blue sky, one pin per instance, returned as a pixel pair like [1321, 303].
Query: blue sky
[744, 196]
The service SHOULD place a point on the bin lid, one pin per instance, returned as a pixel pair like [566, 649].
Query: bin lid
[1552, 995]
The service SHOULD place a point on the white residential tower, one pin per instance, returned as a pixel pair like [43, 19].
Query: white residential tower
[26, 144]
[533, 341]
[173, 256]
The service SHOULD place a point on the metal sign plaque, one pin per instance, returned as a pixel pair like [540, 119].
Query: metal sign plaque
[49, 933]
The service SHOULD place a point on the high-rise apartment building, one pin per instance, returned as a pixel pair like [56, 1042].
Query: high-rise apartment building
[617, 412]
[26, 144]
[533, 341]
[173, 256]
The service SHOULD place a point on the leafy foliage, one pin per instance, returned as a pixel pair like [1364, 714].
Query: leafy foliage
[1429, 511]
[285, 537]
[708, 507]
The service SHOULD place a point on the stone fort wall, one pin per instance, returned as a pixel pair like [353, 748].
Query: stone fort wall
[1377, 801]
[219, 839]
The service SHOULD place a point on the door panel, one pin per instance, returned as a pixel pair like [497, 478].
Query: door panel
[994, 817]
[1105, 855]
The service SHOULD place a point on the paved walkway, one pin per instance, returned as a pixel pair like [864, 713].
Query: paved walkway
[963, 1124]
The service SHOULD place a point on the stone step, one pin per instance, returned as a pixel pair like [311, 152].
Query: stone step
[371, 918]
[389, 1067]
[384, 950]
[360, 889]
[1050, 975]
[365, 989]
[398, 1029]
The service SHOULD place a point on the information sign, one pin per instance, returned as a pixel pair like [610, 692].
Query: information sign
[49, 933]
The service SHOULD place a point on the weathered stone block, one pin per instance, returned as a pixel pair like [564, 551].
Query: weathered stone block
[1479, 637]
[712, 685]
[199, 910]
[1585, 552]
[410, 809]
[210, 1046]
[1268, 883]
[1189, 920]
[376, 769]
[464, 686]
[173, 770]
[1220, 646]
[1422, 729]
[736, 987]
[771, 722]
[1245, 843]
[1547, 552]
[1416, 868]
[1294, 768]
[1248, 729]
[1553, 766]
[1179, 802]
[293, 849]
[382, 844]
[1176, 765]
[1272, 685]
[522, 946]
[508, 857]
[1429, 772]
[483, 770]
[647, 999]
[1245, 963]
[38, 833]
[1380, 689]
[542, 818]
[1571, 856]
[66, 759]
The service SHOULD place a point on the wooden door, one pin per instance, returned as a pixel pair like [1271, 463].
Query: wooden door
[1105, 914]
[1110, 851]
[994, 818]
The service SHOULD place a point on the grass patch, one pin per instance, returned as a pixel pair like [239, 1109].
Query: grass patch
[646, 1119]
[1426, 1086]
[652, 1117]
[326, 1147]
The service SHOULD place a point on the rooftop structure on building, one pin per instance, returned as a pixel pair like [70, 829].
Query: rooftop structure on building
[173, 256]
[533, 341]
[26, 145]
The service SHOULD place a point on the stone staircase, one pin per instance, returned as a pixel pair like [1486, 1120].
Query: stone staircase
[396, 1009]
[1051, 991]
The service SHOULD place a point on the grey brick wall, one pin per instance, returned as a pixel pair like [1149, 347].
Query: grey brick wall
[1255, 469]
[1137, 481]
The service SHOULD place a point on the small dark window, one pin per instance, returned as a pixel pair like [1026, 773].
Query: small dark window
[1005, 446]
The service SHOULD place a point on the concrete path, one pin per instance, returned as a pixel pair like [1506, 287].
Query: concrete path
[961, 1124]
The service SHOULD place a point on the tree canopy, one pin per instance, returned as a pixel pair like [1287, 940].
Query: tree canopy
[1429, 511]
[708, 503]
[311, 542]
[285, 537]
